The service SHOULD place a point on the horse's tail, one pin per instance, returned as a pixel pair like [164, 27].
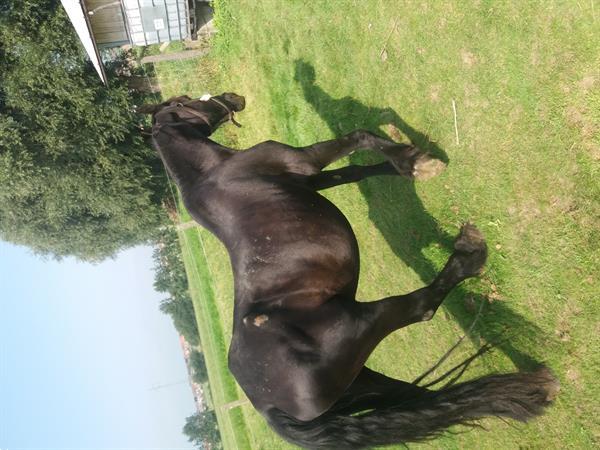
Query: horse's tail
[423, 414]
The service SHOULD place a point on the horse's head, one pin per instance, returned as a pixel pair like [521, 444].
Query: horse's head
[207, 112]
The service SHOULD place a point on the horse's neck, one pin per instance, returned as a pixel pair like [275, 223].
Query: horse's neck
[188, 157]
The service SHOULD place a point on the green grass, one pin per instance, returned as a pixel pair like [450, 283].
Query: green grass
[525, 80]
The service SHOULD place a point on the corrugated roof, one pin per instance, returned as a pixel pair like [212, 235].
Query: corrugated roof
[77, 14]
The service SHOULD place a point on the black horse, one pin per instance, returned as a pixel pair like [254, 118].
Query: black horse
[300, 339]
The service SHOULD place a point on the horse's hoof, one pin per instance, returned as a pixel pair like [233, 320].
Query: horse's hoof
[426, 167]
[471, 250]
[470, 239]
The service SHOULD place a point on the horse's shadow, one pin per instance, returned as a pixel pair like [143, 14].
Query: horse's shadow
[344, 115]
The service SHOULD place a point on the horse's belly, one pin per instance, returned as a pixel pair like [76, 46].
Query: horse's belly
[298, 270]
[292, 243]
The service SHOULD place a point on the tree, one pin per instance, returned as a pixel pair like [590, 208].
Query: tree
[202, 428]
[184, 317]
[198, 365]
[76, 177]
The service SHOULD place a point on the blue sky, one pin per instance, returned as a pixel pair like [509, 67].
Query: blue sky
[81, 347]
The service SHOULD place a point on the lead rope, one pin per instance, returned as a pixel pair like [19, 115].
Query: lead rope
[445, 356]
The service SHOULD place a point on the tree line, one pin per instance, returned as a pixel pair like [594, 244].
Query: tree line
[76, 176]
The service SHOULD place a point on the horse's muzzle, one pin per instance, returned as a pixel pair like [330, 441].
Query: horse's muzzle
[237, 101]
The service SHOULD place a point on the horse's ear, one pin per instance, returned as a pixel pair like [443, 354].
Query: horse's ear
[148, 108]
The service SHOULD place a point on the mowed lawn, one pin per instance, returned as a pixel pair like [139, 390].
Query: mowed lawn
[522, 149]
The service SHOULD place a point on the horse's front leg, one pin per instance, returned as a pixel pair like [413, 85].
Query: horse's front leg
[392, 313]
[408, 160]
[349, 174]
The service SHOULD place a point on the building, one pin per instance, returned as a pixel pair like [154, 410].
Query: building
[104, 24]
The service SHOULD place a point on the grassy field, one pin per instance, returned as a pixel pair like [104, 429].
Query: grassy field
[523, 165]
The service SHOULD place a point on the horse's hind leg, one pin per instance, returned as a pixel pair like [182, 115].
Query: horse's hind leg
[408, 160]
[373, 390]
[348, 331]
[467, 260]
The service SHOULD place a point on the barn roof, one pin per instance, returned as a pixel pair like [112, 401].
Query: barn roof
[78, 15]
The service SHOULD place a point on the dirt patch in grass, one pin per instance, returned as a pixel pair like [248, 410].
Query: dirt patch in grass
[587, 83]
[468, 58]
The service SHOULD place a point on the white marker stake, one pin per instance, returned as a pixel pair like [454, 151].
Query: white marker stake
[455, 124]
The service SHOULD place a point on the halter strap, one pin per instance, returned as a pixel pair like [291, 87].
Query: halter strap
[230, 112]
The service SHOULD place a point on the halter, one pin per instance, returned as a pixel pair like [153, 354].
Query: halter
[230, 111]
[199, 114]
